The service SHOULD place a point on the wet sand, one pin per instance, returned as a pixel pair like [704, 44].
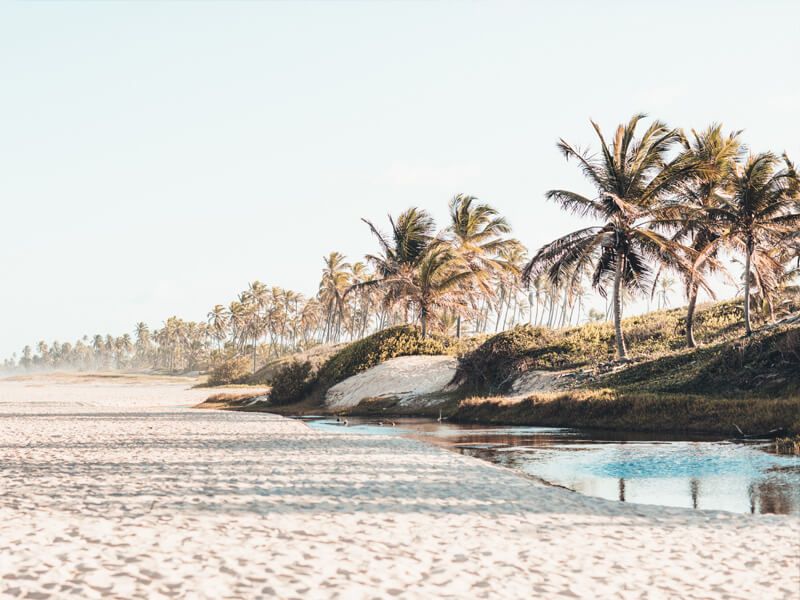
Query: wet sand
[116, 488]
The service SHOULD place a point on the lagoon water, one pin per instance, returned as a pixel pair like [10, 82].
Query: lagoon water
[698, 472]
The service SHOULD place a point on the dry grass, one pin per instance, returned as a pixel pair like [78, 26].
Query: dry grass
[610, 409]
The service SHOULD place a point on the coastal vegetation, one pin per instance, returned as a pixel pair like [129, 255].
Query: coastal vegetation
[729, 382]
[667, 207]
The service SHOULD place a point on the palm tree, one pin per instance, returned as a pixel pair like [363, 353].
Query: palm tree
[712, 157]
[332, 289]
[434, 287]
[142, 333]
[664, 290]
[418, 271]
[218, 321]
[762, 206]
[476, 233]
[401, 253]
[632, 178]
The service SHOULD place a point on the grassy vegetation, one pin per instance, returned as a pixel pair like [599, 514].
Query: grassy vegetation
[730, 381]
[788, 445]
[493, 365]
[610, 409]
[751, 383]
[766, 365]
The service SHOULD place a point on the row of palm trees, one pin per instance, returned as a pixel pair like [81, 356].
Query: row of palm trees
[671, 202]
[668, 204]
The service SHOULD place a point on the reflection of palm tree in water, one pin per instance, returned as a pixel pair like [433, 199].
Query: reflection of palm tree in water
[772, 498]
[621, 489]
[694, 489]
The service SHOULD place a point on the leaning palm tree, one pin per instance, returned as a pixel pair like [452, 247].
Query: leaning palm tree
[761, 208]
[632, 178]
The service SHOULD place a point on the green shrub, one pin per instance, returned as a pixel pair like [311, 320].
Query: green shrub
[233, 370]
[291, 383]
[493, 365]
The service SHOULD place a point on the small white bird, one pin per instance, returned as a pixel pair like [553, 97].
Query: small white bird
[346, 423]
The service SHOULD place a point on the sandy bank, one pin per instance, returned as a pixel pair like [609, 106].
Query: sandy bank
[409, 379]
[120, 491]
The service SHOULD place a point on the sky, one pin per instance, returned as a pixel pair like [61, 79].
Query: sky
[155, 157]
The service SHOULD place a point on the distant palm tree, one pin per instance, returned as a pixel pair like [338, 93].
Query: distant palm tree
[218, 321]
[632, 178]
[332, 289]
[665, 284]
[476, 232]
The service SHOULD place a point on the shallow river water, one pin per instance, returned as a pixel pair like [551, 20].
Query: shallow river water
[699, 472]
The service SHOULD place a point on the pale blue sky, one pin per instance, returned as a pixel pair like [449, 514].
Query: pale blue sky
[156, 157]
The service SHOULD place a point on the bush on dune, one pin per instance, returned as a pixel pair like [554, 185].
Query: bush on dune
[291, 383]
[233, 370]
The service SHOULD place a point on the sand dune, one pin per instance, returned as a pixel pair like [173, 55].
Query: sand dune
[407, 378]
[112, 490]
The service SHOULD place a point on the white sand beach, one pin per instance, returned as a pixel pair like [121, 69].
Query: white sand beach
[120, 490]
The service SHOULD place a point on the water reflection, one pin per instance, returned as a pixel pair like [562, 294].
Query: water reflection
[702, 472]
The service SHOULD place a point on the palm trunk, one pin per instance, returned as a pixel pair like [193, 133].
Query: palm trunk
[747, 328]
[690, 342]
[617, 301]
[500, 309]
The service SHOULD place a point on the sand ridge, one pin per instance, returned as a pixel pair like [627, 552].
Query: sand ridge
[407, 378]
[113, 490]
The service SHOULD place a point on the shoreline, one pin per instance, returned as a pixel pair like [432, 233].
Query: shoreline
[223, 503]
[502, 411]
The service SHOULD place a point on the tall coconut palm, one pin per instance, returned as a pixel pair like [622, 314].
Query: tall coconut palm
[632, 178]
[476, 232]
[712, 157]
[143, 341]
[761, 207]
[218, 322]
[412, 236]
[332, 289]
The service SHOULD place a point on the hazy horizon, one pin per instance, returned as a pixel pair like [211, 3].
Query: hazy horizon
[157, 157]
